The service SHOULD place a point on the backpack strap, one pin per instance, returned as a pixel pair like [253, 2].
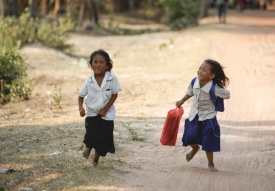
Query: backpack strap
[193, 81]
[217, 101]
[212, 93]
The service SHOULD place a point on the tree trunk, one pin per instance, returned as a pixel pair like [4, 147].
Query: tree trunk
[80, 17]
[2, 11]
[204, 8]
[14, 8]
[44, 7]
[114, 8]
[56, 7]
[120, 5]
[32, 7]
[95, 10]
[68, 11]
[96, 18]
[131, 5]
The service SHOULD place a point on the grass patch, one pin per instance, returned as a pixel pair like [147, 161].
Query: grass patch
[30, 151]
[132, 132]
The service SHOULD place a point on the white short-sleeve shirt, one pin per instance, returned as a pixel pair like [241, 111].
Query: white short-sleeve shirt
[202, 104]
[98, 97]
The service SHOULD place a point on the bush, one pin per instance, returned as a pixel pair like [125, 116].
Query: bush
[13, 83]
[55, 37]
[26, 29]
[180, 14]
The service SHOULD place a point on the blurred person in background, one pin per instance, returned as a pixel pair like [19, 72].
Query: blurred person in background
[240, 5]
[222, 9]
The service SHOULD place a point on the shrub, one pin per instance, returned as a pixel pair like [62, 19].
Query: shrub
[181, 13]
[26, 29]
[13, 83]
[55, 37]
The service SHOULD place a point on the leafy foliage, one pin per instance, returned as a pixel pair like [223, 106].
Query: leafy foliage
[26, 29]
[15, 32]
[13, 83]
[181, 13]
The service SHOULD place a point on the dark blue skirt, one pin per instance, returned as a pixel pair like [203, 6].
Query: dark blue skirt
[99, 135]
[205, 133]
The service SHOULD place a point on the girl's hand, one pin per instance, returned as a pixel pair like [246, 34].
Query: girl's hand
[102, 112]
[82, 112]
[179, 103]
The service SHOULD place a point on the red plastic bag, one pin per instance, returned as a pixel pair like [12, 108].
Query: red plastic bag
[171, 126]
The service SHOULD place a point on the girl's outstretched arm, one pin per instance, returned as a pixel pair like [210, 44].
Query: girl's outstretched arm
[103, 111]
[180, 102]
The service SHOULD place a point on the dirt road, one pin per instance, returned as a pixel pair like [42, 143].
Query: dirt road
[246, 47]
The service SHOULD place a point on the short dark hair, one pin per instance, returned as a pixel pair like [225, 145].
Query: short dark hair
[216, 68]
[103, 53]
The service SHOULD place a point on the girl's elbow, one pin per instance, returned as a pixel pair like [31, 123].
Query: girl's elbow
[228, 96]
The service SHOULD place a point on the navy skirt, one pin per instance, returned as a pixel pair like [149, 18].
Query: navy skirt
[205, 133]
[99, 135]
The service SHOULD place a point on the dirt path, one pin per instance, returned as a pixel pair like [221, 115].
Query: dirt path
[154, 71]
[245, 45]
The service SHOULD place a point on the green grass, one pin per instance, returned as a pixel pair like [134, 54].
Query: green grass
[133, 133]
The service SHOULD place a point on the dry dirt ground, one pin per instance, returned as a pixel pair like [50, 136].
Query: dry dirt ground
[154, 71]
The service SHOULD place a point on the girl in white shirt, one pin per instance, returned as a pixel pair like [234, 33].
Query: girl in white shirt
[101, 91]
[201, 127]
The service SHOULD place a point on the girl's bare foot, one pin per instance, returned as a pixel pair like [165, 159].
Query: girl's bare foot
[212, 168]
[95, 163]
[192, 153]
[86, 153]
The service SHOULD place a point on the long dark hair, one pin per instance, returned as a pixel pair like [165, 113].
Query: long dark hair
[216, 68]
[101, 52]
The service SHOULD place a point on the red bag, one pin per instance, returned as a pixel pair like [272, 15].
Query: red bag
[171, 126]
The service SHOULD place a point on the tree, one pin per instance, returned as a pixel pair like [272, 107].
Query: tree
[44, 7]
[131, 5]
[32, 7]
[88, 12]
[56, 7]
[180, 14]
[204, 8]
[2, 10]
[14, 8]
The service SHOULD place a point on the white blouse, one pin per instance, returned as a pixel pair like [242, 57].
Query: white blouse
[202, 104]
[98, 97]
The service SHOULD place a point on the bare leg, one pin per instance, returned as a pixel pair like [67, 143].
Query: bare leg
[191, 154]
[86, 153]
[210, 157]
[96, 157]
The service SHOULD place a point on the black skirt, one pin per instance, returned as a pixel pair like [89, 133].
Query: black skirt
[99, 135]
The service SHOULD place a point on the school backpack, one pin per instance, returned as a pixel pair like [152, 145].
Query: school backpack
[217, 101]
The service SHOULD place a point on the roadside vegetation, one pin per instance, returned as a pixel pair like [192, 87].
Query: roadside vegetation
[13, 82]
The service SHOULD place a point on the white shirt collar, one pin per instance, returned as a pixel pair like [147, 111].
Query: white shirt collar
[107, 77]
[205, 88]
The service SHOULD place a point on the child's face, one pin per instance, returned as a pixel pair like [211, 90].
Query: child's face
[204, 72]
[99, 64]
